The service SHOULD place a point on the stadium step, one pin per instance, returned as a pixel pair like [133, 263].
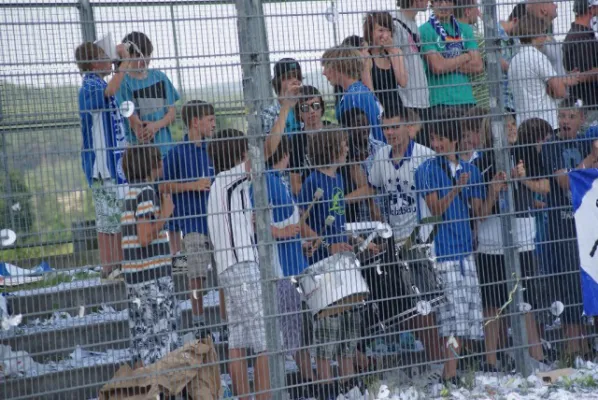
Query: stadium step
[81, 384]
[98, 332]
[42, 303]
[57, 344]
[54, 343]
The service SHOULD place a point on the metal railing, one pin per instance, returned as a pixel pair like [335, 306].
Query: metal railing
[78, 329]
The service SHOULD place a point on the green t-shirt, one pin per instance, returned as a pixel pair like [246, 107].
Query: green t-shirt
[452, 88]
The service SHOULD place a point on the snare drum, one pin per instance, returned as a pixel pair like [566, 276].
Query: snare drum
[333, 285]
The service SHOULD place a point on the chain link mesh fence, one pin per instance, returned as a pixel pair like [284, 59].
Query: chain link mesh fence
[296, 199]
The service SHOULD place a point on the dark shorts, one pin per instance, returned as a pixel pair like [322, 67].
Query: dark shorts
[495, 284]
[564, 280]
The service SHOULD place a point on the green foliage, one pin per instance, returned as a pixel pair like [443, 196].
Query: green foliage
[15, 211]
[567, 382]
[23, 103]
[54, 279]
[445, 392]
[329, 114]
[35, 252]
[589, 382]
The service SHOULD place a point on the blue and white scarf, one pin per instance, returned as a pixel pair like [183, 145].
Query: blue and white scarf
[116, 142]
[121, 140]
[453, 45]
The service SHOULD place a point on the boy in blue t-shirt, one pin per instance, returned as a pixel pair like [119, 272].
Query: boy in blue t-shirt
[188, 173]
[452, 189]
[335, 336]
[343, 67]
[289, 251]
[152, 93]
[103, 146]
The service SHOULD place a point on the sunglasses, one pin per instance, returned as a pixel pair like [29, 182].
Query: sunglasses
[314, 106]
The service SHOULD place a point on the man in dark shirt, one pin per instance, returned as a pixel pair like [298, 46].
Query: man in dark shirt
[580, 51]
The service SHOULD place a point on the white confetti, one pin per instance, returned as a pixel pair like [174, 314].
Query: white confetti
[383, 393]
[137, 302]
[11, 322]
[332, 15]
[557, 308]
[452, 342]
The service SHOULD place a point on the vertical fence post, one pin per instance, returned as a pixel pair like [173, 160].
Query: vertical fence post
[253, 48]
[495, 81]
[176, 52]
[8, 199]
[334, 23]
[88, 26]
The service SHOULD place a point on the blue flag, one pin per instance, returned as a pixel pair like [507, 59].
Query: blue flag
[584, 191]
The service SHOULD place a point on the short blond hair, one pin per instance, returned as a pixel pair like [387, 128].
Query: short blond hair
[344, 60]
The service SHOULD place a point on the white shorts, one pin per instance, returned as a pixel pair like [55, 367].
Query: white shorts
[461, 315]
[244, 306]
[108, 206]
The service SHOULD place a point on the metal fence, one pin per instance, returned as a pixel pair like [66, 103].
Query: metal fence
[329, 266]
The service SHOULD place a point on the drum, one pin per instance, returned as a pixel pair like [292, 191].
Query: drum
[403, 284]
[333, 285]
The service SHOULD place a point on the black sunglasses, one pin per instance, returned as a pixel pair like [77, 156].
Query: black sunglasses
[314, 106]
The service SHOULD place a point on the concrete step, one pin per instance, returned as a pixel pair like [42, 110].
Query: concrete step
[55, 343]
[42, 303]
[80, 384]
[84, 383]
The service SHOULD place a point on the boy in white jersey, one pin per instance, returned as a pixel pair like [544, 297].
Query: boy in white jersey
[393, 174]
[231, 231]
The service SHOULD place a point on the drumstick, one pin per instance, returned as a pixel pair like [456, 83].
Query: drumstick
[328, 223]
[317, 196]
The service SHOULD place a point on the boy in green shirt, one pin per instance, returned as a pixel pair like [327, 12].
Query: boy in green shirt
[451, 54]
